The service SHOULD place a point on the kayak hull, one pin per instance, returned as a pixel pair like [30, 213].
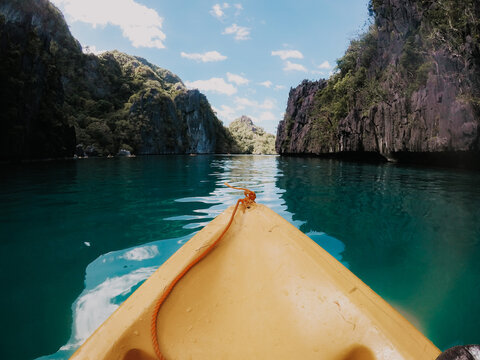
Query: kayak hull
[266, 291]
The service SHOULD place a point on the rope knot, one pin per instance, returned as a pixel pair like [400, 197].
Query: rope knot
[250, 195]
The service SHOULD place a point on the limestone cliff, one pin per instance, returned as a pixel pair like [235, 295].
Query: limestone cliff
[408, 89]
[129, 103]
[54, 97]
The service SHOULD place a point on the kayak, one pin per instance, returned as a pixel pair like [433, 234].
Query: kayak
[265, 291]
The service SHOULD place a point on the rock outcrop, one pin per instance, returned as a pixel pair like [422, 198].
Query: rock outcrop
[293, 133]
[53, 96]
[409, 89]
[184, 124]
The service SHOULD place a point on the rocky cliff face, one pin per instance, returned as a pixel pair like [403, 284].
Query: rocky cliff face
[409, 86]
[31, 90]
[185, 124]
[53, 96]
[294, 132]
[146, 109]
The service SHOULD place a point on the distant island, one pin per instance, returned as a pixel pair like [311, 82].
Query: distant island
[251, 139]
[59, 102]
[406, 90]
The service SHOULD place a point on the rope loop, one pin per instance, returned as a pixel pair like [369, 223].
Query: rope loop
[249, 199]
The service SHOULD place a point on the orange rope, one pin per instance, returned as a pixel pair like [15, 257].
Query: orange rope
[249, 199]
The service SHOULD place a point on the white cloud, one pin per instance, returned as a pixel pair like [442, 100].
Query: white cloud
[268, 104]
[140, 24]
[217, 11]
[279, 87]
[218, 85]
[238, 8]
[325, 65]
[245, 106]
[225, 112]
[267, 116]
[243, 103]
[208, 56]
[288, 54]
[241, 32]
[267, 83]
[289, 66]
[237, 79]
[92, 49]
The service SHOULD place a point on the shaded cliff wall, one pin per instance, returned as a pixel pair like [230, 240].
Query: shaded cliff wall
[185, 124]
[409, 85]
[32, 123]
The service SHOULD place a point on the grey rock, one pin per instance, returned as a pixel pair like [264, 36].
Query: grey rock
[467, 352]
[79, 151]
[91, 151]
[293, 132]
[124, 152]
[183, 125]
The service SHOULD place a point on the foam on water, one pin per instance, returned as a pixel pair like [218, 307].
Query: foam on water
[141, 253]
[94, 306]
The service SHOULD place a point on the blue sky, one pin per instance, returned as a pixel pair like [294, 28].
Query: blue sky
[243, 55]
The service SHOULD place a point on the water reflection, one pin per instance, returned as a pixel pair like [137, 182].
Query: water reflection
[258, 173]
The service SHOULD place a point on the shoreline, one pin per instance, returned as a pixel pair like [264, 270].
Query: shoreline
[459, 160]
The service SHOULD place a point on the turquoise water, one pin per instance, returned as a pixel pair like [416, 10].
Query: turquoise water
[78, 237]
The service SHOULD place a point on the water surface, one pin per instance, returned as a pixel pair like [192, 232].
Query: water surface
[78, 237]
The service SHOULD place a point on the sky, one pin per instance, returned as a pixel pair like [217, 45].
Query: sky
[243, 55]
